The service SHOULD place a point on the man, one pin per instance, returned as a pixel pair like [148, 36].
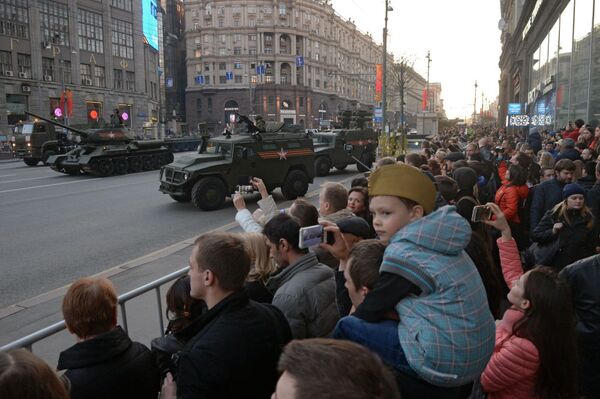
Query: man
[326, 368]
[534, 139]
[574, 134]
[304, 289]
[549, 193]
[333, 200]
[549, 147]
[449, 161]
[472, 151]
[546, 174]
[485, 149]
[234, 347]
[593, 196]
[568, 151]
[115, 119]
[587, 154]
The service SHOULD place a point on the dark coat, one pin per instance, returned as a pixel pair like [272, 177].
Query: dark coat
[234, 351]
[576, 240]
[110, 365]
[571, 154]
[545, 196]
[535, 141]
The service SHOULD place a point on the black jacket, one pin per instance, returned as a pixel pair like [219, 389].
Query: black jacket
[110, 365]
[584, 278]
[571, 154]
[576, 240]
[545, 196]
[234, 351]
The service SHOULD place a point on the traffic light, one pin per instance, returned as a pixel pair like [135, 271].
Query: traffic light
[93, 114]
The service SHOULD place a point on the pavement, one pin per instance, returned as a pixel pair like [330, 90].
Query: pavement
[30, 315]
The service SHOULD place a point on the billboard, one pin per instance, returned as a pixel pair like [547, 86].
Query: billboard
[514, 109]
[150, 22]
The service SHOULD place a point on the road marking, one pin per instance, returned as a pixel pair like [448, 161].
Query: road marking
[7, 175]
[48, 185]
[20, 180]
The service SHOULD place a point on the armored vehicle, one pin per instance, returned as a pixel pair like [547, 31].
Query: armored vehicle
[38, 140]
[281, 159]
[108, 151]
[330, 147]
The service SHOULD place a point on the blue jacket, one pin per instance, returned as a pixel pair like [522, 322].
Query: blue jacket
[447, 332]
[545, 196]
[571, 154]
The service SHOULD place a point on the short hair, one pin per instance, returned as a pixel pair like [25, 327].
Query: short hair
[24, 375]
[386, 161]
[367, 256]
[543, 170]
[565, 164]
[447, 187]
[285, 227]
[360, 182]
[590, 168]
[579, 123]
[317, 365]
[414, 159]
[224, 254]
[305, 213]
[336, 194]
[90, 306]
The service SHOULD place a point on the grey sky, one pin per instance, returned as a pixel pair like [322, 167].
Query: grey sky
[462, 35]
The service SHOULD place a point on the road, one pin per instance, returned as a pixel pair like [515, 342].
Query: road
[56, 228]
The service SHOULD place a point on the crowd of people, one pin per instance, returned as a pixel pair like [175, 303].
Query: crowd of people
[467, 270]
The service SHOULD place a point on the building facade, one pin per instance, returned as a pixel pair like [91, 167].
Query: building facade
[549, 63]
[289, 60]
[96, 50]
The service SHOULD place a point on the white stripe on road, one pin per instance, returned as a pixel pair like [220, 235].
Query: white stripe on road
[19, 180]
[7, 175]
[48, 185]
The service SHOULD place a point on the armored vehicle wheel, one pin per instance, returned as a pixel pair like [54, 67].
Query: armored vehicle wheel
[147, 163]
[166, 159]
[367, 160]
[31, 161]
[120, 165]
[181, 198]
[295, 185]
[341, 167]
[322, 166]
[103, 167]
[134, 164]
[156, 162]
[47, 155]
[208, 193]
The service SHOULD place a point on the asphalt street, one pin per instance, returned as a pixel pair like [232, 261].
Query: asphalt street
[56, 228]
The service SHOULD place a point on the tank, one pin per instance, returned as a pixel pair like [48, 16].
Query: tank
[108, 151]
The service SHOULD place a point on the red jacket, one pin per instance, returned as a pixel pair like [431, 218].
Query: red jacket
[572, 134]
[512, 369]
[508, 198]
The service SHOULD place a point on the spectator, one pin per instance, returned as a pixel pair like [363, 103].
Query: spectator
[546, 160]
[549, 147]
[485, 149]
[449, 161]
[466, 178]
[304, 212]
[509, 198]
[182, 310]
[440, 156]
[549, 193]
[414, 159]
[471, 150]
[233, 349]
[584, 279]
[358, 204]
[434, 167]
[267, 208]
[385, 161]
[318, 369]
[261, 269]
[359, 182]
[432, 248]
[568, 151]
[588, 178]
[570, 223]
[534, 139]
[104, 362]
[25, 376]
[595, 144]
[333, 200]
[304, 290]
[448, 188]
[534, 355]
[588, 155]
[546, 174]
[573, 134]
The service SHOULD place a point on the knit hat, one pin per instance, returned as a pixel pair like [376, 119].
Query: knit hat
[403, 181]
[568, 143]
[572, 189]
[454, 156]
[355, 225]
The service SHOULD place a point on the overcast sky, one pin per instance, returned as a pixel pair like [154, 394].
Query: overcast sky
[462, 35]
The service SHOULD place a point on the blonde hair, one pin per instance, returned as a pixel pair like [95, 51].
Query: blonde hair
[561, 208]
[546, 160]
[262, 264]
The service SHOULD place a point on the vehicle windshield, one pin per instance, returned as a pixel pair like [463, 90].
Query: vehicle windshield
[322, 139]
[414, 146]
[26, 128]
[218, 148]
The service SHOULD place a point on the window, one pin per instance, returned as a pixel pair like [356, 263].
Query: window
[197, 53]
[252, 9]
[207, 79]
[89, 29]
[198, 108]
[236, 22]
[99, 76]
[14, 18]
[252, 51]
[24, 64]
[118, 79]
[252, 38]
[222, 39]
[282, 10]
[122, 39]
[237, 51]
[16, 105]
[54, 19]
[85, 70]
[130, 81]
[48, 68]
[209, 105]
[237, 78]
[122, 4]
[66, 71]
[237, 38]
[222, 51]
[198, 69]
[222, 79]
[206, 66]
[153, 89]
[301, 101]
[5, 61]
[222, 66]
[237, 65]
[221, 23]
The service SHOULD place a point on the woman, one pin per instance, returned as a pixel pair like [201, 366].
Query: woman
[263, 267]
[358, 203]
[572, 224]
[509, 198]
[546, 160]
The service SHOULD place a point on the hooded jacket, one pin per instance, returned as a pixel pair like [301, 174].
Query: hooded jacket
[447, 332]
[509, 197]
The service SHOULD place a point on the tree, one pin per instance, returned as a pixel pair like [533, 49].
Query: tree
[401, 82]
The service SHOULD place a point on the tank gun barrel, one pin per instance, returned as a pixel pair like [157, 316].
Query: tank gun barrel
[76, 131]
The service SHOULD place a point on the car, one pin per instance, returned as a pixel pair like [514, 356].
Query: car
[331, 149]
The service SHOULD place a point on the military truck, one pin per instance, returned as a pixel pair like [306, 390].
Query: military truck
[39, 140]
[331, 147]
[281, 159]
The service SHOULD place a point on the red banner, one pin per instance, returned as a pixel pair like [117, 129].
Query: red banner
[67, 97]
[424, 100]
[378, 82]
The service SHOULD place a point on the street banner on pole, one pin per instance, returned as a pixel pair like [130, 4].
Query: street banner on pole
[378, 82]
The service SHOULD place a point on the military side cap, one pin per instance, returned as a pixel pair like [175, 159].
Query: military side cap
[403, 181]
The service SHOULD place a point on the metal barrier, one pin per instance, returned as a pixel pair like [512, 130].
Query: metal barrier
[28, 341]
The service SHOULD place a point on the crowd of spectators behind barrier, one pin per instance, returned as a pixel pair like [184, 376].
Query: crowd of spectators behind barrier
[414, 297]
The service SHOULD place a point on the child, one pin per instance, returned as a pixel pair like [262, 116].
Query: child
[445, 332]
[534, 355]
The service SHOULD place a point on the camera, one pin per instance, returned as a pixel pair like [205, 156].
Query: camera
[481, 213]
[245, 189]
[499, 149]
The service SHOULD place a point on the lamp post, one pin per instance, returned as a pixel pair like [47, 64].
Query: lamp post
[384, 67]
[475, 105]
[428, 94]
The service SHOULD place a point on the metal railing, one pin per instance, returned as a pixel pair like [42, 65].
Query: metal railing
[28, 341]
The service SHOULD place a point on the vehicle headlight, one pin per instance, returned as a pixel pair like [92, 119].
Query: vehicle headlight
[186, 175]
[28, 144]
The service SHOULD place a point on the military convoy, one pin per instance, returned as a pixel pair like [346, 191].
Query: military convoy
[281, 159]
[39, 140]
[104, 152]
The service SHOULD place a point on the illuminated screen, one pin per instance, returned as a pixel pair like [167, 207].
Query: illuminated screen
[150, 22]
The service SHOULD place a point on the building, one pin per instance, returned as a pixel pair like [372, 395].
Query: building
[104, 53]
[293, 60]
[549, 65]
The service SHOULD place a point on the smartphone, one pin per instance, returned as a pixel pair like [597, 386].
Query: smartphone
[481, 213]
[244, 185]
[311, 236]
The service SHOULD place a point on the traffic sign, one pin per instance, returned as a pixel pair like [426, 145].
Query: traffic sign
[169, 82]
[260, 69]
[514, 108]
[199, 80]
[229, 75]
[299, 61]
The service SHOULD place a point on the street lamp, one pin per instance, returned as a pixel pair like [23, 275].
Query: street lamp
[384, 66]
